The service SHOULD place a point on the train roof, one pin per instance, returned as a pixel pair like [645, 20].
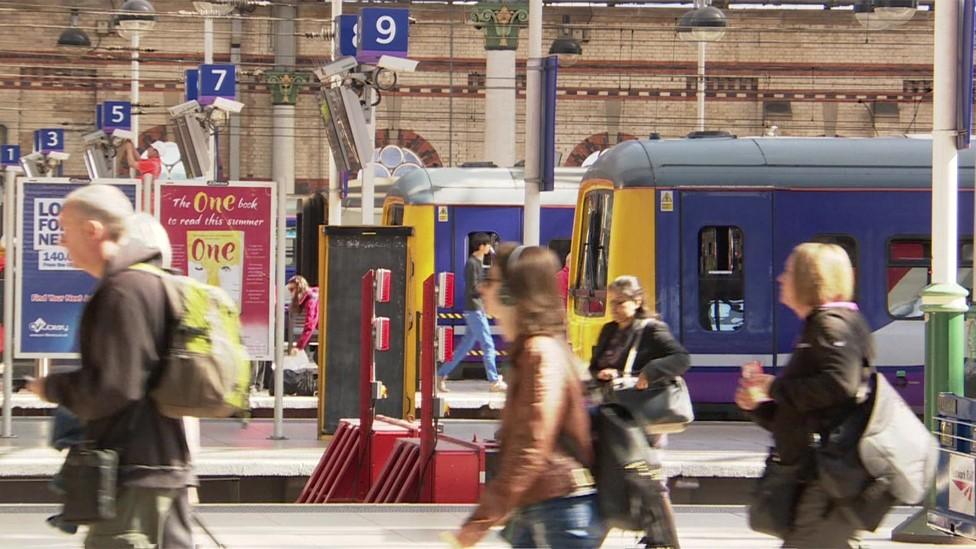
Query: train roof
[474, 186]
[779, 162]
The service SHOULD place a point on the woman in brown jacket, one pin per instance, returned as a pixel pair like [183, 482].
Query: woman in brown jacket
[543, 486]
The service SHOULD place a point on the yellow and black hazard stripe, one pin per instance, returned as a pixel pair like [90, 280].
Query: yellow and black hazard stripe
[454, 316]
[478, 352]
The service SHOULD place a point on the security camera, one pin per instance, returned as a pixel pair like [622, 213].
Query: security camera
[228, 105]
[58, 156]
[96, 137]
[336, 68]
[122, 135]
[399, 64]
[184, 108]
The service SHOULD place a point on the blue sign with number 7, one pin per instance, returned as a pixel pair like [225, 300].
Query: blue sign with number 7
[383, 31]
[49, 140]
[9, 155]
[217, 81]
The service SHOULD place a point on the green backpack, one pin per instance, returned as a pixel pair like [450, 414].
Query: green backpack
[206, 370]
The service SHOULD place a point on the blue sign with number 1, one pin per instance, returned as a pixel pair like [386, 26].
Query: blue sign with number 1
[49, 140]
[9, 155]
[383, 31]
[217, 81]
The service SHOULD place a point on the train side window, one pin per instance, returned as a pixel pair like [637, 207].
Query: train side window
[486, 262]
[721, 280]
[395, 215]
[589, 290]
[909, 272]
[850, 246]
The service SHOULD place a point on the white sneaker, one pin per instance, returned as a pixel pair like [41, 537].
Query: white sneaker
[442, 385]
[498, 387]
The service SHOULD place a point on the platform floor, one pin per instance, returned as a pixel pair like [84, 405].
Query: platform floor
[396, 526]
[229, 447]
[26, 403]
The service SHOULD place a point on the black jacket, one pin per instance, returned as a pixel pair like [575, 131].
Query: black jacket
[123, 336]
[819, 385]
[659, 356]
[474, 273]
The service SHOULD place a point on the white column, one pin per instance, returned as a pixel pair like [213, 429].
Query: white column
[945, 158]
[10, 177]
[500, 108]
[278, 430]
[134, 95]
[368, 178]
[701, 86]
[208, 46]
[335, 186]
[533, 97]
[283, 146]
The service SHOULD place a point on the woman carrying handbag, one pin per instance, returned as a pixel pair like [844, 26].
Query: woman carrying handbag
[635, 344]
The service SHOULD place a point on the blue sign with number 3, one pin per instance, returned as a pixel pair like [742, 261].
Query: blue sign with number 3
[115, 115]
[49, 140]
[348, 25]
[217, 81]
[9, 155]
[383, 31]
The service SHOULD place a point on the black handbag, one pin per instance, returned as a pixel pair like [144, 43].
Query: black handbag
[773, 503]
[663, 407]
[89, 477]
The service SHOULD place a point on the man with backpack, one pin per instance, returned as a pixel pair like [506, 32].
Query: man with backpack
[123, 336]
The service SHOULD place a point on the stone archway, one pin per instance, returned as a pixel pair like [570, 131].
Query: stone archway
[592, 144]
[412, 140]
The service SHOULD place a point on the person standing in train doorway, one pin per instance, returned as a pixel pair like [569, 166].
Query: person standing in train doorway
[475, 320]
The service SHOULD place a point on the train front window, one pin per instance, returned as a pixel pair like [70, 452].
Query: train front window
[395, 215]
[721, 280]
[909, 272]
[590, 287]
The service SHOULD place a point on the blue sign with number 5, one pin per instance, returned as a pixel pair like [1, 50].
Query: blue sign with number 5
[348, 25]
[9, 155]
[383, 31]
[116, 115]
[217, 81]
[49, 140]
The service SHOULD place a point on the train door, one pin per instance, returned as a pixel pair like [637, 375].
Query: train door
[727, 287]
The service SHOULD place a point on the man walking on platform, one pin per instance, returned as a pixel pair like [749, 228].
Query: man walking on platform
[123, 337]
[475, 320]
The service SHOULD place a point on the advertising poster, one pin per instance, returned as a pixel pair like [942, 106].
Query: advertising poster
[50, 293]
[224, 235]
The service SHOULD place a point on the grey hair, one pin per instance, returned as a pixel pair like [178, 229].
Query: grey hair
[103, 203]
[630, 286]
[146, 230]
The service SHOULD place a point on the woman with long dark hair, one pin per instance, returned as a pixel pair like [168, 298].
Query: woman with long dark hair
[543, 486]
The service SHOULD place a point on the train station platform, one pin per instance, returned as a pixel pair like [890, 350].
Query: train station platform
[398, 526]
[262, 405]
[711, 462]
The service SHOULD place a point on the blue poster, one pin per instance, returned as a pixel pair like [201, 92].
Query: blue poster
[50, 294]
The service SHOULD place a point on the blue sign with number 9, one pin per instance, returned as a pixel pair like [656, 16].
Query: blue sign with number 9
[49, 140]
[9, 155]
[217, 81]
[383, 31]
[348, 26]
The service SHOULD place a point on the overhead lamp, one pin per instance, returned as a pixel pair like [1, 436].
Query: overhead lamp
[884, 14]
[565, 46]
[213, 9]
[703, 24]
[136, 16]
[73, 37]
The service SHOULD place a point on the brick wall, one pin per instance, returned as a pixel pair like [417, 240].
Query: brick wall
[806, 72]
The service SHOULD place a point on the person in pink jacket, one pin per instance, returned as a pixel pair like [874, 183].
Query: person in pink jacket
[304, 312]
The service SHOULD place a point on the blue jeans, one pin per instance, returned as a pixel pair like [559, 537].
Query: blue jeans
[560, 523]
[477, 332]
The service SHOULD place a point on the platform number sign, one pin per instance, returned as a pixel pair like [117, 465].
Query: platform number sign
[348, 26]
[9, 155]
[49, 140]
[217, 81]
[192, 84]
[114, 115]
[382, 31]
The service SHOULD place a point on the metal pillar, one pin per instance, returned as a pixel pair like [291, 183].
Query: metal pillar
[499, 111]
[335, 184]
[134, 95]
[944, 302]
[211, 170]
[700, 93]
[369, 179]
[10, 177]
[533, 103]
[235, 121]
